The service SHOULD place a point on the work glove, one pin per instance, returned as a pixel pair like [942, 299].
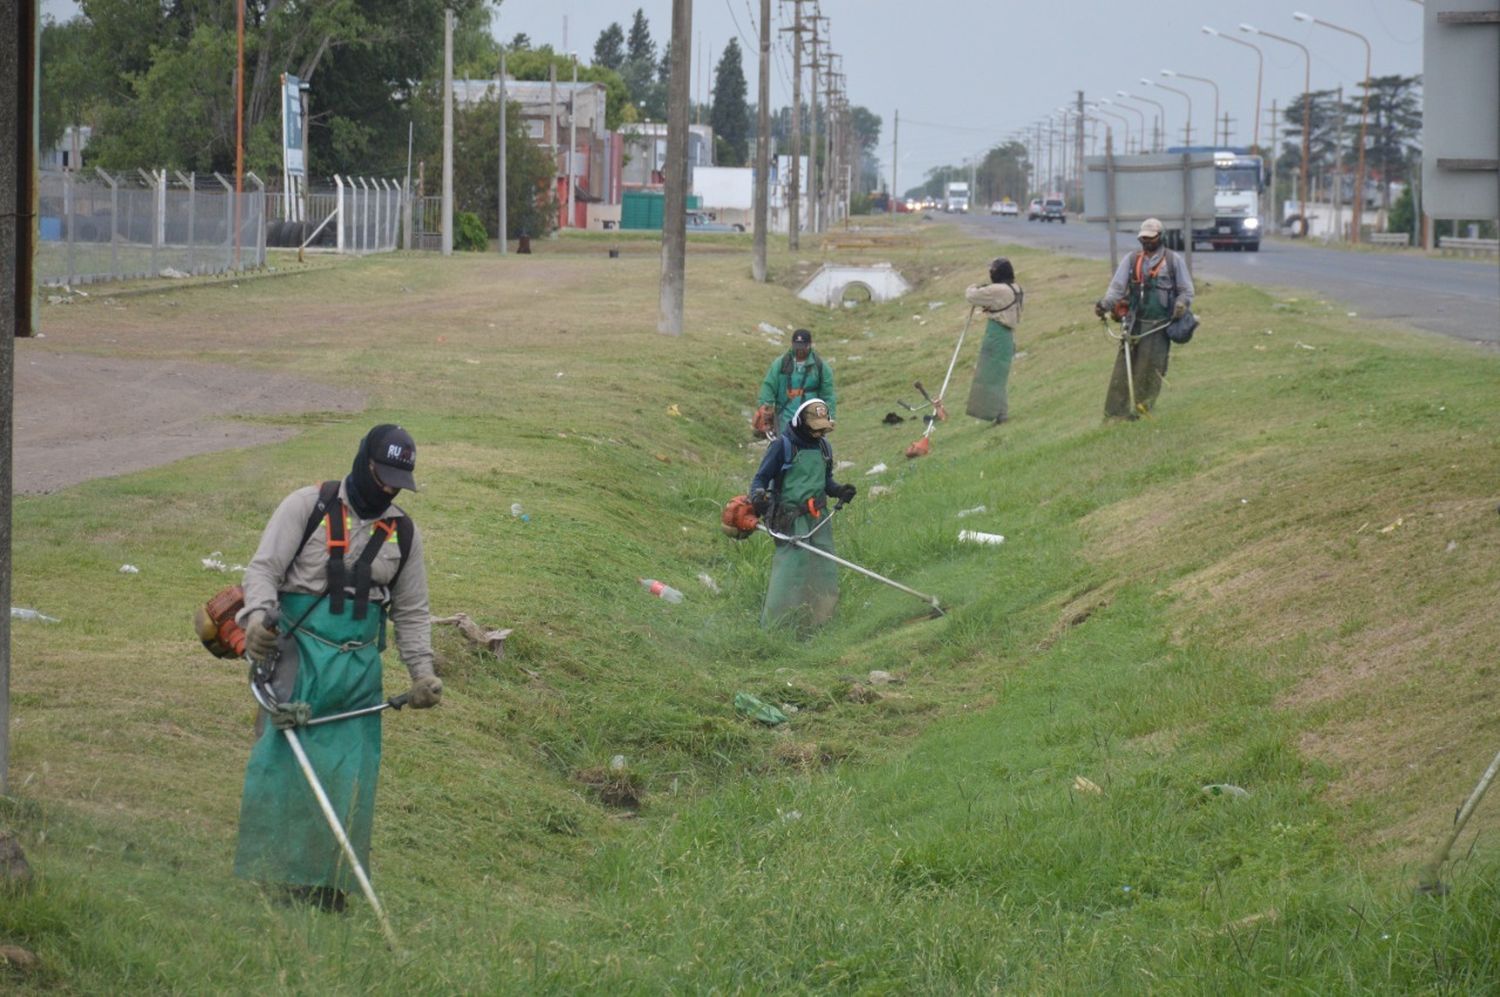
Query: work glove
[288, 715]
[1179, 309]
[426, 692]
[260, 640]
[761, 502]
[1099, 309]
[844, 493]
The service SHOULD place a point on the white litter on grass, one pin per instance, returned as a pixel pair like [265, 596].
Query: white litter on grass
[878, 490]
[852, 359]
[173, 273]
[972, 512]
[1354, 314]
[617, 763]
[215, 562]
[770, 329]
[933, 306]
[559, 374]
[22, 613]
[1226, 789]
[877, 469]
[129, 569]
[843, 465]
[878, 677]
[708, 582]
[1304, 346]
[976, 537]
[788, 816]
[1452, 546]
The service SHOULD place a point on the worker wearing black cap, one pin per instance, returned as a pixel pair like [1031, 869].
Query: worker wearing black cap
[793, 378]
[333, 563]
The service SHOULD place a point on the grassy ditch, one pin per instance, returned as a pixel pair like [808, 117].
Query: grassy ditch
[1279, 582]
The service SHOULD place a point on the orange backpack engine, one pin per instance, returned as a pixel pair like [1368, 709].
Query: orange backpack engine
[214, 621]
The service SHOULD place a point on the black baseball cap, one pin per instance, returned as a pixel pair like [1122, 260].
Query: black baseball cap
[396, 452]
[802, 336]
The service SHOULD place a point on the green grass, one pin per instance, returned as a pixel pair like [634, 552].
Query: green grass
[1205, 597]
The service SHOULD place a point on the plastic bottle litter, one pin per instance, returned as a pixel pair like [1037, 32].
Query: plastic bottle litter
[973, 512]
[22, 613]
[129, 569]
[877, 469]
[660, 589]
[519, 513]
[976, 537]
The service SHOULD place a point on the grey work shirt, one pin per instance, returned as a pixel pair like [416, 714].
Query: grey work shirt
[1173, 275]
[272, 570]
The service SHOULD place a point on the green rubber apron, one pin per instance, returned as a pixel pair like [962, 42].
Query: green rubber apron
[804, 587]
[1148, 355]
[283, 836]
[987, 399]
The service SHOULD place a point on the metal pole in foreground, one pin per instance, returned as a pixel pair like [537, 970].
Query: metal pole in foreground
[447, 243]
[931, 600]
[1429, 882]
[762, 146]
[674, 210]
[501, 221]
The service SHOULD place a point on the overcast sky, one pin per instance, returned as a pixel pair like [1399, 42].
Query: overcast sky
[966, 73]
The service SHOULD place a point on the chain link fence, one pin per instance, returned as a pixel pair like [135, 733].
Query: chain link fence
[100, 226]
[355, 215]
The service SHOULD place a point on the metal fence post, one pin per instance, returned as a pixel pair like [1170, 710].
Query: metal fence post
[228, 223]
[379, 216]
[260, 220]
[68, 223]
[191, 183]
[114, 222]
[338, 207]
[406, 235]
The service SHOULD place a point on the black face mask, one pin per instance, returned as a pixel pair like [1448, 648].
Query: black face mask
[365, 494]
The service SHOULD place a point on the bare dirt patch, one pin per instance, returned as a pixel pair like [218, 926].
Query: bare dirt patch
[81, 417]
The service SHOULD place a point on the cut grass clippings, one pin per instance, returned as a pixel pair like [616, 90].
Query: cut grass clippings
[1209, 596]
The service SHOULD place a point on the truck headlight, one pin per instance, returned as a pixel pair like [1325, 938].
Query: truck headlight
[1252, 223]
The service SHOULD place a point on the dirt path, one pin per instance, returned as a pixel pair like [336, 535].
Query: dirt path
[80, 417]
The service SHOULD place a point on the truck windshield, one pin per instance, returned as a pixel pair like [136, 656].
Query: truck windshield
[1237, 178]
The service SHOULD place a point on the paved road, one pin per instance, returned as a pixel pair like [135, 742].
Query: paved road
[1458, 298]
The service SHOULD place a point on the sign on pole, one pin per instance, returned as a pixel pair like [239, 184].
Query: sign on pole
[293, 163]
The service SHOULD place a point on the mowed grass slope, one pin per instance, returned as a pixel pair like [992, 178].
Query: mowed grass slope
[1282, 581]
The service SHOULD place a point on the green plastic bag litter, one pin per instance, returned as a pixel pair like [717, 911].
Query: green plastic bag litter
[757, 709]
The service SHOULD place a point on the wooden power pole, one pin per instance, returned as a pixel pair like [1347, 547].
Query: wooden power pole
[794, 185]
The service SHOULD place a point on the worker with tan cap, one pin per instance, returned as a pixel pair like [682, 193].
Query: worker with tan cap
[1151, 288]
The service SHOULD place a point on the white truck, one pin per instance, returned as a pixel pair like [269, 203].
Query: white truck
[956, 198]
[1239, 182]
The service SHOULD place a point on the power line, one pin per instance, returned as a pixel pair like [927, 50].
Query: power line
[737, 30]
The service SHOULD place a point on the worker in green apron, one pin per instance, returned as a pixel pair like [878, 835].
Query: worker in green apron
[792, 379]
[1154, 287]
[790, 492]
[1000, 302]
[334, 563]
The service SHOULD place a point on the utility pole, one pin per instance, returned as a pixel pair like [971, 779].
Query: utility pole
[447, 244]
[794, 188]
[814, 190]
[762, 145]
[20, 41]
[674, 210]
[895, 158]
[1078, 158]
[502, 225]
[552, 121]
[573, 147]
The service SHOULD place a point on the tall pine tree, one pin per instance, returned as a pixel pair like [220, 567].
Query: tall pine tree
[730, 115]
[640, 47]
[609, 50]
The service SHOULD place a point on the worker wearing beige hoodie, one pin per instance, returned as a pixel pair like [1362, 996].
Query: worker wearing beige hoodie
[1000, 302]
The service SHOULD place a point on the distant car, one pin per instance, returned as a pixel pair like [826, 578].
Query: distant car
[1034, 210]
[1008, 207]
[697, 221]
[1053, 209]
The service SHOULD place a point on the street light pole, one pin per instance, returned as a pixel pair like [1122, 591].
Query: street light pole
[1118, 117]
[1306, 114]
[1213, 132]
[1141, 141]
[1187, 131]
[1161, 120]
[1364, 103]
[1260, 65]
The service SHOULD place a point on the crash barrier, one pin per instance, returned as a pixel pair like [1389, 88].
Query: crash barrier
[100, 226]
[1450, 245]
[352, 215]
[1390, 239]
